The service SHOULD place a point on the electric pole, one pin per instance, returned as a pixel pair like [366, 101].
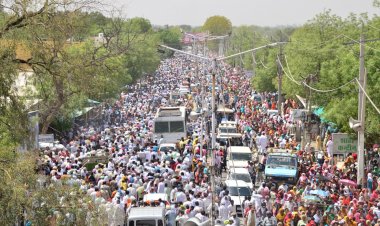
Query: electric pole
[213, 143]
[253, 57]
[279, 73]
[361, 113]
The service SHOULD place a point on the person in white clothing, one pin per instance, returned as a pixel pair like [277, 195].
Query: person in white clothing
[223, 211]
[263, 143]
[329, 147]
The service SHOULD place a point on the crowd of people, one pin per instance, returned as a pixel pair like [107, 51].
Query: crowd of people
[323, 195]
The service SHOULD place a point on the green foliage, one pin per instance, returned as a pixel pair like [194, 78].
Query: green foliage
[263, 61]
[218, 25]
[321, 48]
[376, 3]
[170, 37]
[69, 66]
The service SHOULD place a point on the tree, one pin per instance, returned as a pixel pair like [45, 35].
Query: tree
[170, 37]
[52, 39]
[248, 37]
[142, 58]
[376, 3]
[324, 48]
[218, 25]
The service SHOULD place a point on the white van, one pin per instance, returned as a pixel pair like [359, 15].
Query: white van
[238, 190]
[240, 174]
[147, 216]
[238, 156]
[154, 197]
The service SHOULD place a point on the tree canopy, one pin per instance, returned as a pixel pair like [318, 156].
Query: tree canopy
[217, 25]
[323, 53]
[69, 53]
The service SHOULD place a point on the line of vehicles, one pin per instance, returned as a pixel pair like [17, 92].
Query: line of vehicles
[170, 124]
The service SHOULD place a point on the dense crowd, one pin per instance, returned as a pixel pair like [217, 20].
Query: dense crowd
[325, 194]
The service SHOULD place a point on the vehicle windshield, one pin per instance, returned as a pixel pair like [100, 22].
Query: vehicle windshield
[167, 148]
[241, 156]
[228, 130]
[145, 223]
[282, 161]
[242, 191]
[241, 176]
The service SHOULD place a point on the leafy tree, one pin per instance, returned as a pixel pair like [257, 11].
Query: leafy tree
[248, 37]
[324, 47]
[170, 37]
[69, 66]
[217, 25]
[376, 3]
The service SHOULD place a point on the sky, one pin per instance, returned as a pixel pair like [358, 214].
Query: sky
[240, 12]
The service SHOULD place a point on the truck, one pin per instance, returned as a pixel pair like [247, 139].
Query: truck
[170, 124]
[149, 216]
[281, 165]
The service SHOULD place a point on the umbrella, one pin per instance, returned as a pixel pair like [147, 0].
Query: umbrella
[319, 192]
[348, 182]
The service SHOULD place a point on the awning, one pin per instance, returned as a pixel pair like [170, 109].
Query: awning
[302, 100]
[79, 113]
[222, 109]
[93, 102]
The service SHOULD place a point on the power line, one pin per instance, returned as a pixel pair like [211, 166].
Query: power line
[290, 73]
[263, 64]
[370, 100]
[327, 90]
[317, 45]
[358, 42]
[310, 87]
[251, 50]
[291, 79]
[373, 27]
[254, 59]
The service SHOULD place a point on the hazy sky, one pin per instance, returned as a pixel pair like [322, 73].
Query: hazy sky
[240, 12]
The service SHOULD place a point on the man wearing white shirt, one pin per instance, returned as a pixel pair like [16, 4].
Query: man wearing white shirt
[263, 143]
[161, 187]
[180, 196]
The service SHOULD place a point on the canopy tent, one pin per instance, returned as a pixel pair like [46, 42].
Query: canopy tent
[223, 109]
[319, 112]
[302, 100]
[93, 102]
[79, 113]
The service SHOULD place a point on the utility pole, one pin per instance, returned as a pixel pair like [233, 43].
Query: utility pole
[221, 45]
[361, 113]
[279, 73]
[213, 120]
[213, 143]
[253, 58]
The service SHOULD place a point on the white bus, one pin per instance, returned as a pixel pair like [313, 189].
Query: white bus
[170, 124]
